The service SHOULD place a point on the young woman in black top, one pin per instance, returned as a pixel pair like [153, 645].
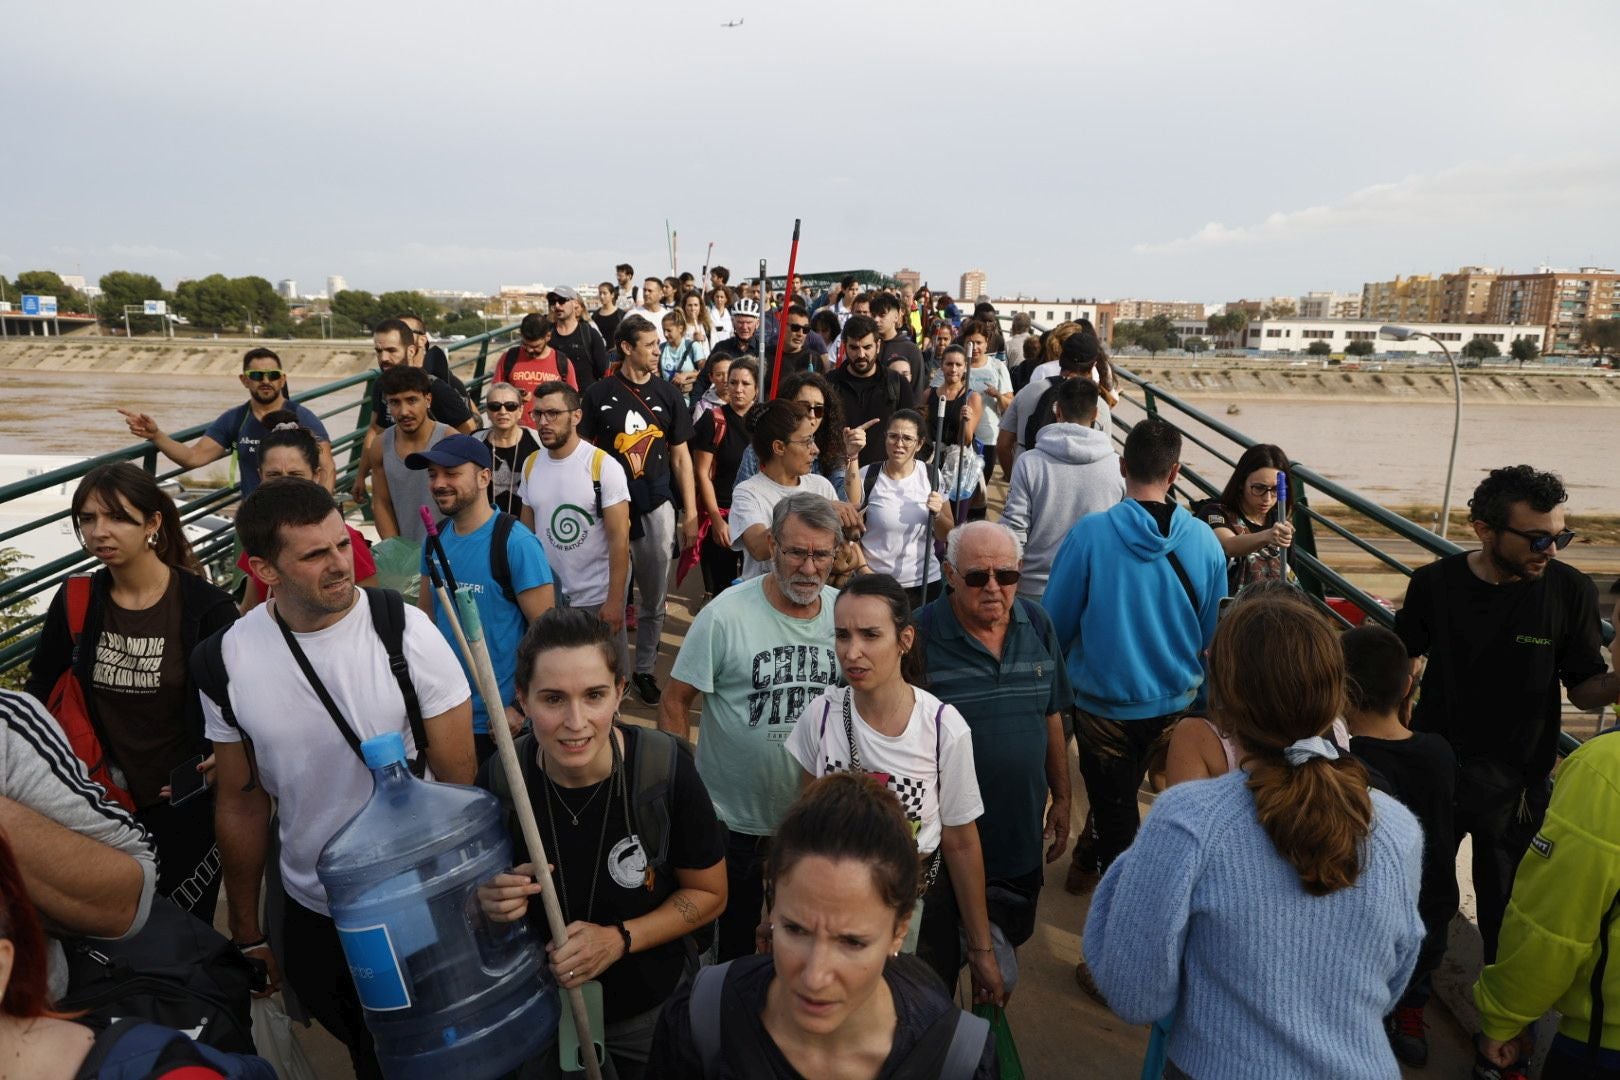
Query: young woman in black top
[719, 441]
[1244, 518]
[626, 919]
[958, 463]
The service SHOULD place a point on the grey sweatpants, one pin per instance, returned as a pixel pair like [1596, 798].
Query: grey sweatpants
[649, 567]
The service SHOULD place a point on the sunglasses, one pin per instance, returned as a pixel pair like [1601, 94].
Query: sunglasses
[798, 328]
[978, 579]
[1540, 542]
[816, 411]
[263, 376]
[505, 406]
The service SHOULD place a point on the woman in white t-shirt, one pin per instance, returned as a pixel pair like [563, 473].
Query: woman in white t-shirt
[884, 725]
[900, 503]
[784, 438]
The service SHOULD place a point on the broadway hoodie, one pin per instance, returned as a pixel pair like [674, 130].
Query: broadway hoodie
[1133, 638]
[1073, 471]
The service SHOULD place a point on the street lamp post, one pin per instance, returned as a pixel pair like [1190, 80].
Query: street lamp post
[1406, 333]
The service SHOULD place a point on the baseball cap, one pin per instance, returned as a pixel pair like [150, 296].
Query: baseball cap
[563, 292]
[746, 306]
[448, 453]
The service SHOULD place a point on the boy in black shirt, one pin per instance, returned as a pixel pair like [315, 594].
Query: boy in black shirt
[1419, 769]
[1502, 627]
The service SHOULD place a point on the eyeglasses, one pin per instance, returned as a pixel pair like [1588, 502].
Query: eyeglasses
[551, 416]
[978, 579]
[263, 376]
[505, 406]
[798, 555]
[816, 411]
[1540, 542]
[1260, 491]
[807, 441]
[903, 440]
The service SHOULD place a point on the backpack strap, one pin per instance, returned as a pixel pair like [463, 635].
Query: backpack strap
[78, 608]
[388, 619]
[1181, 575]
[500, 560]
[503, 367]
[1043, 411]
[654, 794]
[213, 678]
[967, 1047]
[703, 1014]
[867, 473]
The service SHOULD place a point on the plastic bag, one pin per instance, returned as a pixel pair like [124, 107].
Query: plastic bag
[1008, 1067]
[399, 566]
[274, 1039]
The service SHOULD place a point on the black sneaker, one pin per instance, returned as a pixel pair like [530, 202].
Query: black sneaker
[646, 688]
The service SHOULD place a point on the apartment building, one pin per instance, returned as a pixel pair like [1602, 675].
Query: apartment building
[1555, 302]
[1141, 310]
[1465, 296]
[1404, 300]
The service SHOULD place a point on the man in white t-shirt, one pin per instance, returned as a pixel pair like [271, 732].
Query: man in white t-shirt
[755, 654]
[577, 500]
[297, 544]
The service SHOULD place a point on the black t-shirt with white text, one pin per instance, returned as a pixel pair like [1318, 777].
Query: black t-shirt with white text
[1496, 656]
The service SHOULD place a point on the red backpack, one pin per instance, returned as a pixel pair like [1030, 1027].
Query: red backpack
[66, 701]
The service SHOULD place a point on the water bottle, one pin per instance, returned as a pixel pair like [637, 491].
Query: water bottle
[447, 993]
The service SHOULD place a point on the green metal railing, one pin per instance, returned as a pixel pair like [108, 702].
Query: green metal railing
[469, 360]
[1317, 578]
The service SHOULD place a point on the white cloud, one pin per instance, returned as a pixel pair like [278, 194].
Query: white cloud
[1474, 192]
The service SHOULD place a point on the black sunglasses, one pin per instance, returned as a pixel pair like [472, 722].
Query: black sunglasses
[978, 579]
[263, 376]
[505, 406]
[1540, 542]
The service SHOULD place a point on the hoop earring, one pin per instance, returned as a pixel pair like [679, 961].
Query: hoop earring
[152, 540]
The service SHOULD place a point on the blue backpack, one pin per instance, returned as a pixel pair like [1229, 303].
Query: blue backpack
[134, 1049]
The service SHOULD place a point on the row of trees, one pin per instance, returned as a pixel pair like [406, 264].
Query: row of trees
[219, 303]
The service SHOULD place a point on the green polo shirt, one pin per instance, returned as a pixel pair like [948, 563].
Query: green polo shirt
[1006, 703]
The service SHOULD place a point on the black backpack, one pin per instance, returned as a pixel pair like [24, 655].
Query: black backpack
[178, 972]
[1043, 411]
[387, 618]
[500, 560]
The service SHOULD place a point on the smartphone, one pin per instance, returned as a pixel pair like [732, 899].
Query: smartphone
[185, 782]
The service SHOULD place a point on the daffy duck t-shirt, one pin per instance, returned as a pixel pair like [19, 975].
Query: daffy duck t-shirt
[637, 423]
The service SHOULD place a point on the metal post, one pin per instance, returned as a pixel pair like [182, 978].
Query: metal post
[1456, 432]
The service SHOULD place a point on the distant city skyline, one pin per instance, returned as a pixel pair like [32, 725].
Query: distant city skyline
[1169, 151]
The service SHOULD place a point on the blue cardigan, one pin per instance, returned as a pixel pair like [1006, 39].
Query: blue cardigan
[1202, 917]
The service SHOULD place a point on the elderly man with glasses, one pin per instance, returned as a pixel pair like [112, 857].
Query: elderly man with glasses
[240, 428]
[756, 654]
[996, 658]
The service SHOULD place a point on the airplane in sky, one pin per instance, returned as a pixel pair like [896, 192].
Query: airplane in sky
[729, 25]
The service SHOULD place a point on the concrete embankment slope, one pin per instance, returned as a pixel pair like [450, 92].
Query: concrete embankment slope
[306, 360]
[1237, 379]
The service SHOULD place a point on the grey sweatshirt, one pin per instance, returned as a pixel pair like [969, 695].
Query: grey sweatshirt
[1071, 472]
[38, 771]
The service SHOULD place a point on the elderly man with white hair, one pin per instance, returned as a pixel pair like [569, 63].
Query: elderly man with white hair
[996, 658]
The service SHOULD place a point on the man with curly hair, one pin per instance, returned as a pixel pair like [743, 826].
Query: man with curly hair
[1502, 626]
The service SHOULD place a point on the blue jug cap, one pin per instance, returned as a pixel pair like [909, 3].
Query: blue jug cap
[381, 750]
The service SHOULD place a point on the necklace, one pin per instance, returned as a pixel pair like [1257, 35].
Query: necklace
[575, 815]
[601, 840]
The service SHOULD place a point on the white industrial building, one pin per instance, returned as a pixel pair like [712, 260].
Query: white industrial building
[1296, 335]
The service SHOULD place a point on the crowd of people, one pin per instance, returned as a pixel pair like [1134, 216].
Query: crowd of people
[890, 681]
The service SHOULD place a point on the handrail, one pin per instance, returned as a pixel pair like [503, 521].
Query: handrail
[17, 641]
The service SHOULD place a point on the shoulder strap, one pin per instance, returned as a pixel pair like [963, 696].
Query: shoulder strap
[967, 1047]
[598, 455]
[1186, 582]
[703, 1014]
[655, 793]
[78, 606]
[867, 473]
[500, 560]
[127, 1050]
[503, 368]
[388, 619]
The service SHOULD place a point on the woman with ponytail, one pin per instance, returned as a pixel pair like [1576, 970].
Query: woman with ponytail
[1273, 909]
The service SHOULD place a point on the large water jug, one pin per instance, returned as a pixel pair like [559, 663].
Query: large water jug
[447, 993]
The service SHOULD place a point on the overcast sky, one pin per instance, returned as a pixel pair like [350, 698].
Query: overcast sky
[1169, 149]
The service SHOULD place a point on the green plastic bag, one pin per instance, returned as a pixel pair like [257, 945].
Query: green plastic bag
[399, 566]
[1008, 1066]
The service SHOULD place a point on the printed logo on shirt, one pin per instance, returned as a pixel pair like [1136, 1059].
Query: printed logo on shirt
[635, 446]
[627, 863]
[906, 789]
[128, 663]
[786, 677]
[1531, 639]
[1541, 846]
[569, 527]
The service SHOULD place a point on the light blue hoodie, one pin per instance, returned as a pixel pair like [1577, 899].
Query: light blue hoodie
[1133, 639]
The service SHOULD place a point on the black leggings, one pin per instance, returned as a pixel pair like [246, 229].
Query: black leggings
[720, 565]
[317, 971]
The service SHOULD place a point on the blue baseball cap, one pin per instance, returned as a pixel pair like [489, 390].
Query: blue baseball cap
[448, 453]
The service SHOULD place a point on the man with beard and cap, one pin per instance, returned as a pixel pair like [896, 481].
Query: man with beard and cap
[503, 564]
[240, 428]
[1502, 626]
[756, 654]
[573, 336]
[576, 499]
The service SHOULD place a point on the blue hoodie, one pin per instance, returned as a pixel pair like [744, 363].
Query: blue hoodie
[1134, 643]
